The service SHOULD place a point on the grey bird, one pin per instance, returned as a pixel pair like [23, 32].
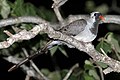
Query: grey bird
[84, 30]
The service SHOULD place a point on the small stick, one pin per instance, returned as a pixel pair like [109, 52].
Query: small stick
[30, 57]
[70, 72]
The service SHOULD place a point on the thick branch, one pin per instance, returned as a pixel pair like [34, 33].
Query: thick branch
[87, 47]
[112, 19]
[108, 18]
[37, 20]
[22, 19]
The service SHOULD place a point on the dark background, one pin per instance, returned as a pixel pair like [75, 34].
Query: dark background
[75, 56]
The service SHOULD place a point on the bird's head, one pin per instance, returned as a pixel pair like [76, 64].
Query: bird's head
[96, 16]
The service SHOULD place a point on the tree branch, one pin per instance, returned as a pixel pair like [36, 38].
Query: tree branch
[34, 66]
[44, 26]
[86, 47]
[108, 18]
[22, 19]
[56, 5]
[37, 20]
[70, 71]
[22, 35]
[28, 70]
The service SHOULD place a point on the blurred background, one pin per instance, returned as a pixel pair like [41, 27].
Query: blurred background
[58, 60]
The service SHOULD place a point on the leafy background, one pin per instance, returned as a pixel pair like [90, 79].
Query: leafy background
[56, 63]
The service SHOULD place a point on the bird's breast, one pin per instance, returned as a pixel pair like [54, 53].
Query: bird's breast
[86, 35]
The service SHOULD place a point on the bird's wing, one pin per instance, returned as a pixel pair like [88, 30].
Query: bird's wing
[74, 27]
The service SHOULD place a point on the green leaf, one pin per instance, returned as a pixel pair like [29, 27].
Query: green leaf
[88, 65]
[3, 36]
[45, 71]
[54, 76]
[30, 9]
[88, 62]
[53, 50]
[101, 64]
[63, 51]
[46, 14]
[64, 72]
[94, 74]
[88, 77]
[5, 8]
[26, 26]
[105, 46]
[20, 8]
[114, 42]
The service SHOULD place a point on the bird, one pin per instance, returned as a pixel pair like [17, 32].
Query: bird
[84, 30]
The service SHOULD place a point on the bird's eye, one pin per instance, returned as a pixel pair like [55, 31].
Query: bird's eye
[95, 14]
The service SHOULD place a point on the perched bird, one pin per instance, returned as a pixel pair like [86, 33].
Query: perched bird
[84, 30]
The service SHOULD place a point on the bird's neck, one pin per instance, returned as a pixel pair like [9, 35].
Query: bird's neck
[94, 27]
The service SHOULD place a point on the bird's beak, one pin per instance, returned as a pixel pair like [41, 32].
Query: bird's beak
[101, 17]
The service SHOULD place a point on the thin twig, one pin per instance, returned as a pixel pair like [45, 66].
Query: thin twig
[70, 71]
[41, 51]
[116, 52]
[57, 12]
[100, 69]
[27, 77]
[29, 71]
[103, 52]
[101, 72]
[56, 5]
[34, 66]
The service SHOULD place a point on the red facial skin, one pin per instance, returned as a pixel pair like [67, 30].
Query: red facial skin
[102, 18]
